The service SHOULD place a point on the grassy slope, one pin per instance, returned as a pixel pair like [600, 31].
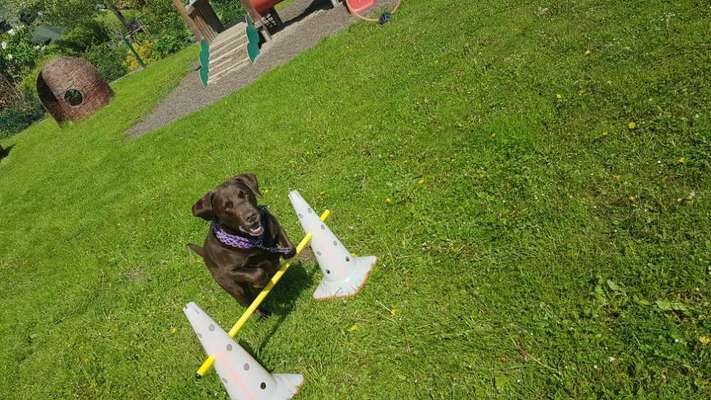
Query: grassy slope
[528, 241]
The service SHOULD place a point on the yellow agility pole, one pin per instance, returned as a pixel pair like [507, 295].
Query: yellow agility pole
[207, 364]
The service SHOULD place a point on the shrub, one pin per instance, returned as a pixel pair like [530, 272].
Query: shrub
[168, 43]
[19, 116]
[17, 53]
[169, 31]
[109, 59]
[85, 36]
[229, 11]
[144, 50]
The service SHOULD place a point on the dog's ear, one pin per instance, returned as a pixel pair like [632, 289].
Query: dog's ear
[203, 207]
[249, 180]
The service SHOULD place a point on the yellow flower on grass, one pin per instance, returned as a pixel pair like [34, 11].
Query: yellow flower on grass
[632, 125]
[173, 329]
[354, 328]
[588, 52]
[681, 160]
[559, 97]
[705, 340]
[388, 200]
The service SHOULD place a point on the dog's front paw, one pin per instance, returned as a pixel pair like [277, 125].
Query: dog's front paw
[262, 313]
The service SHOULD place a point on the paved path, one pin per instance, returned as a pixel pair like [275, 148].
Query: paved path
[306, 22]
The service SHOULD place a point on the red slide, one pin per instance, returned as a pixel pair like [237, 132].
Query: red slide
[356, 6]
[263, 5]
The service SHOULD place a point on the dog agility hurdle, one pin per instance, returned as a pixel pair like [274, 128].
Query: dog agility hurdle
[344, 276]
[207, 364]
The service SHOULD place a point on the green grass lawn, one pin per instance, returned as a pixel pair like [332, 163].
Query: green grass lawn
[531, 244]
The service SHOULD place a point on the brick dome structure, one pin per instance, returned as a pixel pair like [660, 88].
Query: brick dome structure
[71, 88]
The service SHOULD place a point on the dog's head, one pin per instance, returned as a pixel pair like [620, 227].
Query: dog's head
[233, 204]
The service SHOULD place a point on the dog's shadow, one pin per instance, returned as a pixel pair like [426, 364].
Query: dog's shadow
[282, 299]
[4, 152]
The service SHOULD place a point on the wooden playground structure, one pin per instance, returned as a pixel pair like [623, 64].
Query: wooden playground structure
[202, 20]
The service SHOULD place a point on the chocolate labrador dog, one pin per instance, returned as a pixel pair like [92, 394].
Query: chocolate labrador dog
[245, 241]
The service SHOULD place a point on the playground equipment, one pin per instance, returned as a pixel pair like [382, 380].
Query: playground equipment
[71, 88]
[204, 23]
[207, 364]
[204, 61]
[241, 375]
[344, 274]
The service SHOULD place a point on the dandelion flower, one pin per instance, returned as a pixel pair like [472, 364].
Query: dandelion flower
[632, 125]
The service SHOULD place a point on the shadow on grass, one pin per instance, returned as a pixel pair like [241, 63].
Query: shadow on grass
[4, 152]
[282, 300]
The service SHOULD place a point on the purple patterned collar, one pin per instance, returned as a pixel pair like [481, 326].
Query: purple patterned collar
[242, 242]
[231, 240]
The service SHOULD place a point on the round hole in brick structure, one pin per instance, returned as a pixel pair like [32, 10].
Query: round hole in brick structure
[335, 243]
[263, 385]
[318, 253]
[73, 97]
[246, 366]
[348, 259]
[229, 347]
[311, 211]
[211, 327]
[328, 271]
[323, 227]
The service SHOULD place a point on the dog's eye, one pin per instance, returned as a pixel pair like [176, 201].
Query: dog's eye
[240, 194]
[229, 204]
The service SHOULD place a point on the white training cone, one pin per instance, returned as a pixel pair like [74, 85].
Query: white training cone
[242, 376]
[344, 275]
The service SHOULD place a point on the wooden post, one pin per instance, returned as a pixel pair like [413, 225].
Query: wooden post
[188, 21]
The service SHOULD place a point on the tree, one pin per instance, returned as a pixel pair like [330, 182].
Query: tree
[66, 13]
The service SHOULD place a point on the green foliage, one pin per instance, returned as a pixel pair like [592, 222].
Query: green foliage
[229, 11]
[109, 59]
[169, 31]
[84, 36]
[170, 42]
[18, 55]
[19, 116]
[161, 16]
[56, 12]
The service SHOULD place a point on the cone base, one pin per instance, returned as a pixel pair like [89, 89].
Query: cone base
[288, 385]
[358, 271]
